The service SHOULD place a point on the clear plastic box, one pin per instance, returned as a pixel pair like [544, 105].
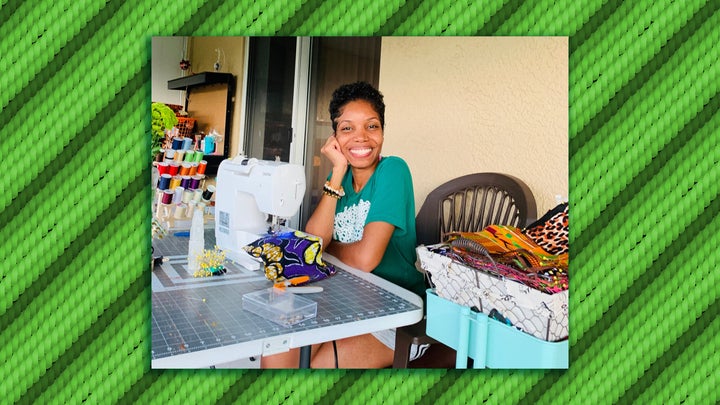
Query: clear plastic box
[279, 306]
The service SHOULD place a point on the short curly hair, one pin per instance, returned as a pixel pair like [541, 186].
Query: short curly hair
[352, 92]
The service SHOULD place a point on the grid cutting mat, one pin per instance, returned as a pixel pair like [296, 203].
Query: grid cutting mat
[191, 314]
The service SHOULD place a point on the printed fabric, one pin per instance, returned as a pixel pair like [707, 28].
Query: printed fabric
[289, 255]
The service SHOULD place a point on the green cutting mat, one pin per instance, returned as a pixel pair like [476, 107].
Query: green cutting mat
[644, 174]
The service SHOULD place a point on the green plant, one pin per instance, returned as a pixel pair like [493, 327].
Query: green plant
[163, 118]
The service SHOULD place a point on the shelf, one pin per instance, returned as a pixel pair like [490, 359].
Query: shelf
[199, 79]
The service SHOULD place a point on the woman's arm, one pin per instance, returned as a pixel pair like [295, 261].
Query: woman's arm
[322, 220]
[366, 253]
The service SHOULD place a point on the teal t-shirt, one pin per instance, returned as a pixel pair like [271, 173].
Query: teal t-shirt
[387, 197]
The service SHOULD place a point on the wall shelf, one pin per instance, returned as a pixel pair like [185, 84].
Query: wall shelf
[200, 79]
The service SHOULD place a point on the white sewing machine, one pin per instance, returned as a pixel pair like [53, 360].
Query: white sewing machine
[247, 191]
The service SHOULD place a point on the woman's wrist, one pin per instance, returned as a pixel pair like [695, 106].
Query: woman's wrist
[334, 192]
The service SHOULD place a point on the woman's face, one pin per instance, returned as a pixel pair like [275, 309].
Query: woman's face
[359, 134]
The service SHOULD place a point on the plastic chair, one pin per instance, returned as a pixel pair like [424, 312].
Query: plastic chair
[465, 204]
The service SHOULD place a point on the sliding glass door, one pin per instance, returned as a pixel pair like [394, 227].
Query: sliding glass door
[290, 82]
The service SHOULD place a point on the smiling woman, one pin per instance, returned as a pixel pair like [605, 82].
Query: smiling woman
[365, 218]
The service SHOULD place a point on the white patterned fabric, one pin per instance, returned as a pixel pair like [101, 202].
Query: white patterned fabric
[349, 223]
[539, 314]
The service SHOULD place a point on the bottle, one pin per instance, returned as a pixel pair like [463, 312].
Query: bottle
[197, 238]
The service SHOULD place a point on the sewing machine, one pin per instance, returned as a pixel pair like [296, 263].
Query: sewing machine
[248, 191]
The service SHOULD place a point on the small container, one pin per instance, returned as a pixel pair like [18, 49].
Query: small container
[281, 307]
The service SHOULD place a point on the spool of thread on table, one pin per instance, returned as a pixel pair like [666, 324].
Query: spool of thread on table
[189, 155]
[185, 169]
[207, 194]
[164, 181]
[177, 143]
[197, 157]
[187, 143]
[185, 181]
[187, 196]
[174, 182]
[179, 155]
[163, 168]
[202, 165]
[193, 169]
[169, 155]
[173, 168]
[180, 211]
[195, 181]
[167, 196]
[177, 197]
[197, 195]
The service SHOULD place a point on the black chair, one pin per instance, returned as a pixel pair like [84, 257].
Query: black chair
[465, 204]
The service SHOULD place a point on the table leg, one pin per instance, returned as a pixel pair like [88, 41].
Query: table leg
[305, 357]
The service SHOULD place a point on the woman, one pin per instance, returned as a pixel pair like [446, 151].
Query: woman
[365, 217]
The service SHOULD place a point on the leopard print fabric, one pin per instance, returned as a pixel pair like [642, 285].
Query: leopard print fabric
[551, 231]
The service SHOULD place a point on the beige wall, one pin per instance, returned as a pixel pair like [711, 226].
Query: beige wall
[202, 55]
[475, 104]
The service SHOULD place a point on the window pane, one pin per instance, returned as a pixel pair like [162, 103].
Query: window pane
[270, 97]
[335, 61]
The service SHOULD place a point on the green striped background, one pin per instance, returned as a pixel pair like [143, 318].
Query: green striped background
[74, 242]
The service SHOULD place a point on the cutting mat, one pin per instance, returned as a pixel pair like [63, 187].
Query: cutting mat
[193, 314]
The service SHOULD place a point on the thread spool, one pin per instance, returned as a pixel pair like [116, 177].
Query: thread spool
[207, 194]
[167, 197]
[185, 181]
[173, 168]
[189, 156]
[169, 154]
[202, 165]
[177, 197]
[197, 195]
[187, 196]
[187, 143]
[163, 167]
[185, 169]
[197, 157]
[164, 181]
[179, 155]
[195, 181]
[177, 143]
[180, 211]
[174, 182]
[193, 169]
[190, 209]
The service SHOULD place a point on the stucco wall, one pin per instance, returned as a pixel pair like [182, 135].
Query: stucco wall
[476, 104]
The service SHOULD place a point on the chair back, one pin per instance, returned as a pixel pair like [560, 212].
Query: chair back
[472, 202]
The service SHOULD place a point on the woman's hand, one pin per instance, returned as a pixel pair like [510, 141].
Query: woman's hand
[332, 150]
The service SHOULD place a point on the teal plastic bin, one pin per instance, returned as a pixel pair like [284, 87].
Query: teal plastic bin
[489, 343]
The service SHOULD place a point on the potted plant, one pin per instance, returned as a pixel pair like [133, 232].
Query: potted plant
[163, 118]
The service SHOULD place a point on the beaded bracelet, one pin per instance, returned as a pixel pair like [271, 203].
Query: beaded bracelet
[337, 194]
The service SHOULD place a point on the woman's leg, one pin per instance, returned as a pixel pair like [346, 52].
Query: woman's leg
[362, 351]
[290, 359]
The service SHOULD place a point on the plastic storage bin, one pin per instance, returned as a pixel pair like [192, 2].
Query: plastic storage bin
[488, 342]
[542, 315]
[281, 307]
